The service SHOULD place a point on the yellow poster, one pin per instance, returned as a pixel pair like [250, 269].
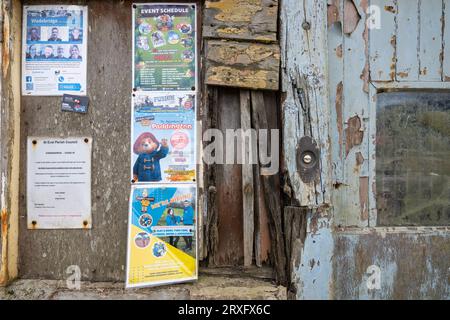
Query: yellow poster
[162, 246]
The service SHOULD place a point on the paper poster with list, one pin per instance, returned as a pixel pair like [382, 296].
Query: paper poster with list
[164, 48]
[59, 183]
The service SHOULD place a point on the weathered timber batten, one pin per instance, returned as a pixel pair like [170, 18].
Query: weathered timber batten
[248, 55]
[245, 65]
[305, 97]
[247, 20]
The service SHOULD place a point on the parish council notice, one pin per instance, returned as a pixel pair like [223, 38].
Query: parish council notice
[59, 183]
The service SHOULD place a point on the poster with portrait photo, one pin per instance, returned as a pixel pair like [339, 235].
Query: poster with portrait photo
[162, 244]
[54, 50]
[163, 138]
[164, 51]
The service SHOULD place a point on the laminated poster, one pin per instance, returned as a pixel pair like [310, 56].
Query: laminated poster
[162, 245]
[163, 137]
[54, 50]
[164, 47]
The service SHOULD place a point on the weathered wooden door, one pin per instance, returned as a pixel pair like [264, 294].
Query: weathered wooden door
[368, 80]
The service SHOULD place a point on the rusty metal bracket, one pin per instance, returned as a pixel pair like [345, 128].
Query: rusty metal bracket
[308, 155]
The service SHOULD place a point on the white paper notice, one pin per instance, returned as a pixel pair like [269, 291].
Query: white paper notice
[54, 50]
[59, 183]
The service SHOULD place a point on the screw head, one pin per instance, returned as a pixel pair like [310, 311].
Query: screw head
[306, 25]
[307, 158]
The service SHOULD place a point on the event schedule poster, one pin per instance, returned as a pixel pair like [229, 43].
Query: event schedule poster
[162, 246]
[164, 47]
[54, 50]
[163, 137]
[59, 183]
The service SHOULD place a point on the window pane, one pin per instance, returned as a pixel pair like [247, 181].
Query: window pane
[413, 158]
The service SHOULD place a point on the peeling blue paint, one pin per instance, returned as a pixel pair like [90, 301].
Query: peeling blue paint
[315, 270]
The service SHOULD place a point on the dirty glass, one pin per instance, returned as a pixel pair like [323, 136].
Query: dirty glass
[413, 158]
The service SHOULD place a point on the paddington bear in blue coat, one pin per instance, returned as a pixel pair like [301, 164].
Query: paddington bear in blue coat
[150, 151]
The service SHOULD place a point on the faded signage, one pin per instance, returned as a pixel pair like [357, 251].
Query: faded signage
[163, 137]
[54, 50]
[164, 47]
[59, 183]
[162, 246]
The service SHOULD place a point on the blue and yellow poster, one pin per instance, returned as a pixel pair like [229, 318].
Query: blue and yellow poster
[162, 246]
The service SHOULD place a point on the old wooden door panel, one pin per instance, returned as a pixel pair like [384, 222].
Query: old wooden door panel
[382, 40]
[413, 265]
[407, 36]
[100, 252]
[348, 99]
[430, 41]
[408, 41]
[408, 48]
[335, 258]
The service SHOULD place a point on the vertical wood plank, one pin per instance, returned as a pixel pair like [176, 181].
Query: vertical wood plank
[408, 24]
[10, 55]
[259, 209]
[262, 232]
[305, 91]
[230, 250]
[212, 218]
[247, 180]
[355, 116]
[382, 42]
[271, 193]
[430, 58]
[446, 42]
[335, 83]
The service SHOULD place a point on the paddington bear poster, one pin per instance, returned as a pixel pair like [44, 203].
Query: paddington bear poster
[163, 137]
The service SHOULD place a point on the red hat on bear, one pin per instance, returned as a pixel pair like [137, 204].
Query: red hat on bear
[143, 136]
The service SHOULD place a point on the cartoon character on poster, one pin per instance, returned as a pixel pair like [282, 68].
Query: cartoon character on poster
[150, 151]
[173, 37]
[187, 56]
[158, 39]
[145, 201]
[187, 42]
[143, 43]
[185, 28]
[144, 27]
[164, 22]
